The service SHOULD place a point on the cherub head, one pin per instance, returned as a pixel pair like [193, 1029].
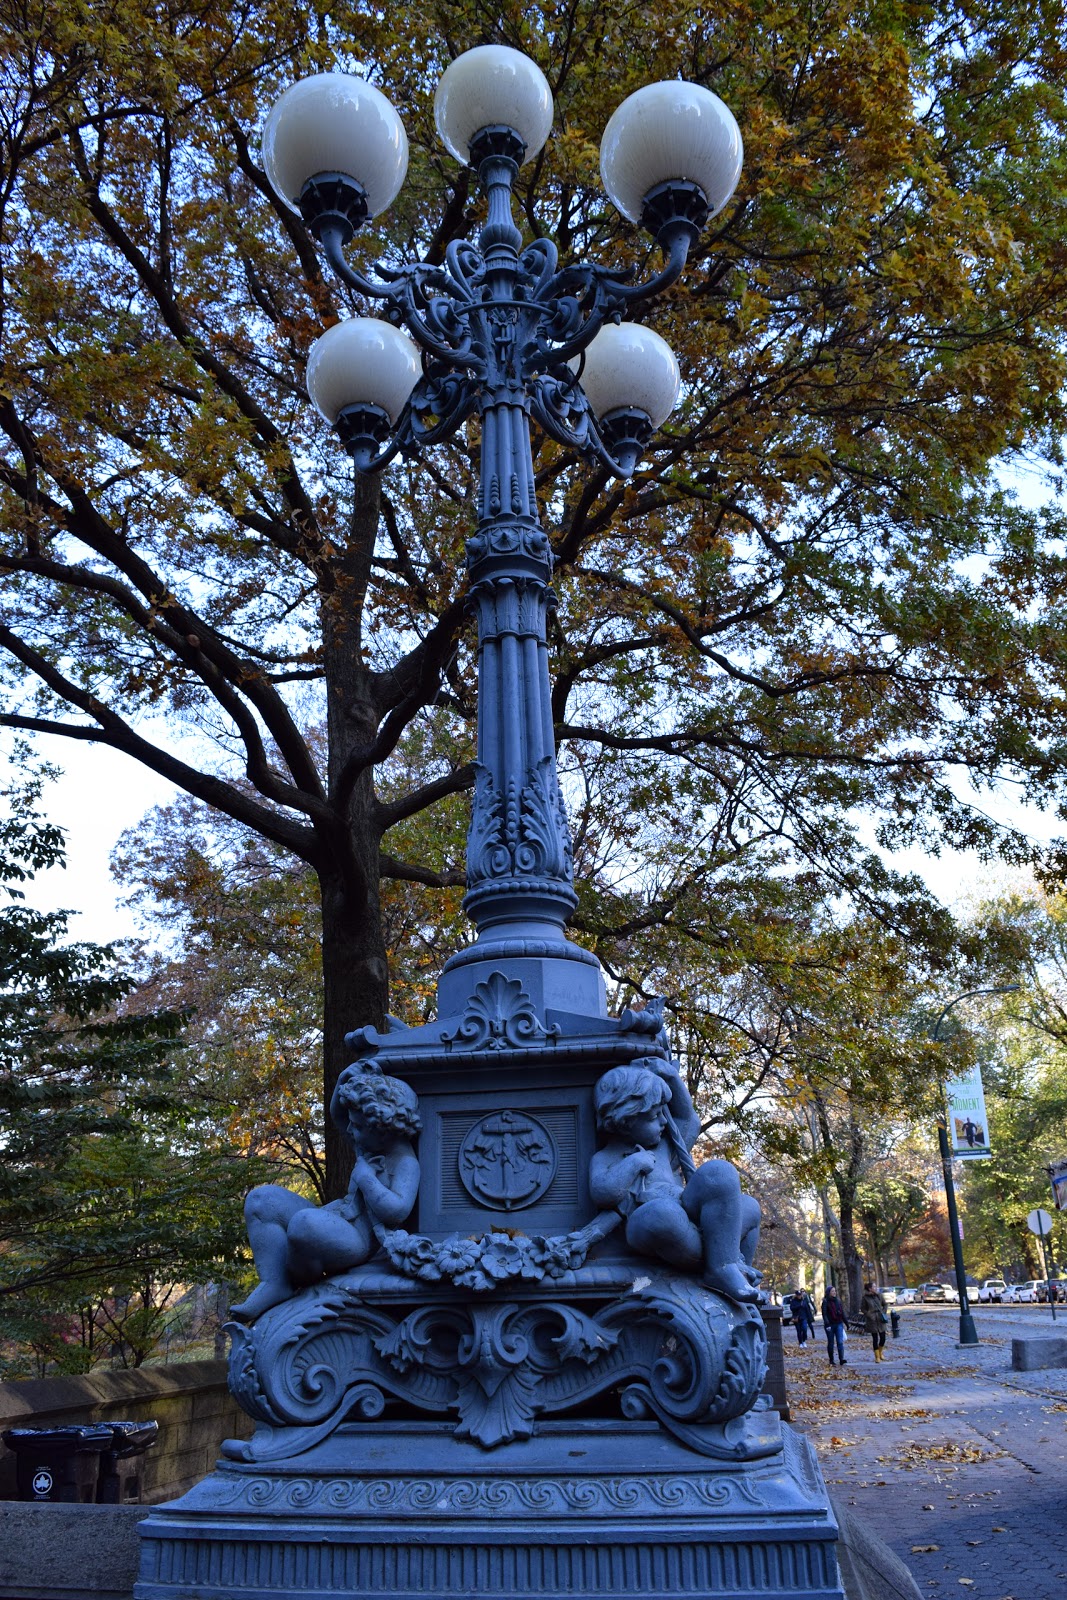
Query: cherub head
[370, 1102]
[632, 1102]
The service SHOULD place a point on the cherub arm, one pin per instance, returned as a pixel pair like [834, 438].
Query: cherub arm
[389, 1202]
[613, 1174]
[683, 1110]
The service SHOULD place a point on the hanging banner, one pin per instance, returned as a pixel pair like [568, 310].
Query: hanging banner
[968, 1127]
[1058, 1178]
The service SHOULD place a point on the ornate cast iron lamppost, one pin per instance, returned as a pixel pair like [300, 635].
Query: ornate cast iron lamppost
[501, 330]
[524, 1355]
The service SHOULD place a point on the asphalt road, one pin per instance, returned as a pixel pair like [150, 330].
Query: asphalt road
[957, 1462]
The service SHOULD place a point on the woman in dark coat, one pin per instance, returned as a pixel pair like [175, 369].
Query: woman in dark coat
[876, 1316]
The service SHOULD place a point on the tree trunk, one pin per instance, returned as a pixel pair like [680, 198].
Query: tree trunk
[850, 1251]
[355, 971]
[829, 1227]
[355, 992]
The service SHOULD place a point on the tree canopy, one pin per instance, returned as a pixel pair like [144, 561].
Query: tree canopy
[814, 601]
[112, 1189]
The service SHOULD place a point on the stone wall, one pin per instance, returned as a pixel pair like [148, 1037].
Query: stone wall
[188, 1399]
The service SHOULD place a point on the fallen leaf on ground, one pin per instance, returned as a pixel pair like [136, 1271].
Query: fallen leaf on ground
[1001, 1530]
[929, 1508]
[968, 1581]
[923, 1549]
[914, 1451]
[974, 1541]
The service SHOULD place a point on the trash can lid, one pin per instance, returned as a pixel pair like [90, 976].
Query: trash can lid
[68, 1440]
[131, 1438]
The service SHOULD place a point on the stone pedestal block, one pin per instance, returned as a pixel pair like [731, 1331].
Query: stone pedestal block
[580, 1510]
[775, 1384]
[1030, 1355]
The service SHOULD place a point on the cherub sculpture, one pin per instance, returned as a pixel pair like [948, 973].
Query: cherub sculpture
[295, 1242]
[678, 1213]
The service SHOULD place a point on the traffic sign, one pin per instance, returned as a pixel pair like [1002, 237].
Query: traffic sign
[1039, 1221]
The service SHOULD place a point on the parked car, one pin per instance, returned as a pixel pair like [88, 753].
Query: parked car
[890, 1293]
[1023, 1294]
[992, 1290]
[907, 1297]
[938, 1293]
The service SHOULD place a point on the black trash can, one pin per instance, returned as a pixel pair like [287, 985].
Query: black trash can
[894, 1323]
[122, 1467]
[59, 1463]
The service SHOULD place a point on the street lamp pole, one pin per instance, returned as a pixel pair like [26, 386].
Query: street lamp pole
[499, 330]
[968, 1331]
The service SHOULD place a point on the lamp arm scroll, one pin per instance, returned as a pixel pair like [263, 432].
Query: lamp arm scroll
[581, 299]
[333, 240]
[559, 406]
[448, 396]
[404, 288]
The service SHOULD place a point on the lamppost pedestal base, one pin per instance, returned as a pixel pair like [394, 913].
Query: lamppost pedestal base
[968, 1331]
[579, 1510]
[556, 976]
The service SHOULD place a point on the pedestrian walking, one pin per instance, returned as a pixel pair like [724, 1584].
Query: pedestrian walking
[803, 1313]
[833, 1321]
[875, 1314]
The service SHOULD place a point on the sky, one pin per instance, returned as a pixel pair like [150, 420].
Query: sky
[99, 796]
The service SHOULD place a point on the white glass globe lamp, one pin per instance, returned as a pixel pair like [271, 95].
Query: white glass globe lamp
[339, 125]
[670, 133]
[362, 362]
[492, 86]
[630, 368]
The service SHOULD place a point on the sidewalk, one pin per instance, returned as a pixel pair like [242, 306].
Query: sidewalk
[957, 1462]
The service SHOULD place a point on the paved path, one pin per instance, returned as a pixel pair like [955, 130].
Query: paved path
[957, 1462]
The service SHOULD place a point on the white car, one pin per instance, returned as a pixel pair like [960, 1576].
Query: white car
[992, 1291]
[1022, 1294]
[892, 1292]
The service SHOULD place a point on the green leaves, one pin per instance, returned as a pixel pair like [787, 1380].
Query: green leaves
[814, 604]
[113, 1186]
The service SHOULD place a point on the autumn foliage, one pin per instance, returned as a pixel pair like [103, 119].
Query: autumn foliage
[815, 599]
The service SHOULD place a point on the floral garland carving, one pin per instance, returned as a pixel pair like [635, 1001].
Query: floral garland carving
[489, 1260]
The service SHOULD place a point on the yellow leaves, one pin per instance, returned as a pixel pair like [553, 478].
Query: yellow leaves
[915, 1454]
